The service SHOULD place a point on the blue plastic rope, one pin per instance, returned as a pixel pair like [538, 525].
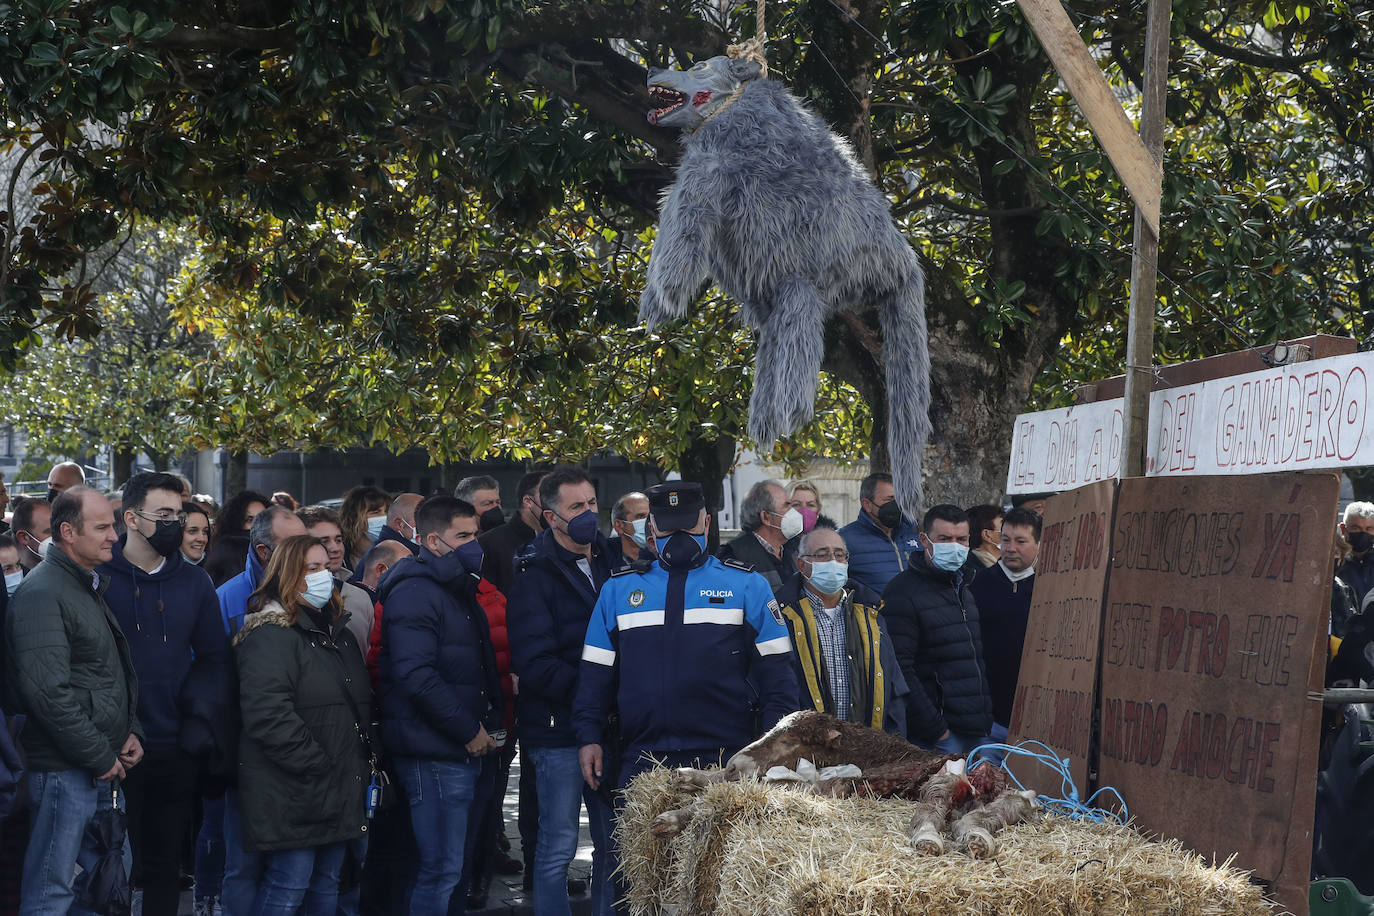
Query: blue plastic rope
[1067, 806]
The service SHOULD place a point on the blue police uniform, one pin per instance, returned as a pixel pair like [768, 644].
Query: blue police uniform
[696, 661]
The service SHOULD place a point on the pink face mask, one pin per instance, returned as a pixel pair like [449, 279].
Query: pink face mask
[808, 518]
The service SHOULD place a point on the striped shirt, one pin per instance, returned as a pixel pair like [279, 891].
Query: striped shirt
[830, 627]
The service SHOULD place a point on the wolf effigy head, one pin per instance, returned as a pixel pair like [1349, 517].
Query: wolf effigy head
[686, 98]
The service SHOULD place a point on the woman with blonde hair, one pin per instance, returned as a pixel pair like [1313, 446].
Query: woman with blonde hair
[362, 515]
[305, 750]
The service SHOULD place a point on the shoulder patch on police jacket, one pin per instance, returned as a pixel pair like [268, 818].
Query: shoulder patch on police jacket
[776, 611]
[739, 564]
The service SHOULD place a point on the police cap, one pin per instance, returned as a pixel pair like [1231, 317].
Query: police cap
[676, 505]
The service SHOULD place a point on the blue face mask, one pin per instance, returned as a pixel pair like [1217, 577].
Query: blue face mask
[375, 525]
[829, 576]
[641, 535]
[581, 528]
[470, 555]
[948, 555]
[681, 549]
[319, 587]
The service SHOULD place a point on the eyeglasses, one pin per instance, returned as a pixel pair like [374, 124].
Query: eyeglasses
[827, 555]
[162, 516]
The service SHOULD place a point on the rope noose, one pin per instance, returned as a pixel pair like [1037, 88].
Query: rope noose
[756, 48]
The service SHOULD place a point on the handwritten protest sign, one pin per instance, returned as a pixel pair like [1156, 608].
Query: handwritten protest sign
[1054, 450]
[1054, 693]
[1302, 416]
[1212, 652]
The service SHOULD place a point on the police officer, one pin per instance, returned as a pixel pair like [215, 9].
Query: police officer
[699, 647]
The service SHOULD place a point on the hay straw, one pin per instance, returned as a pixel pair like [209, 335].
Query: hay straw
[758, 850]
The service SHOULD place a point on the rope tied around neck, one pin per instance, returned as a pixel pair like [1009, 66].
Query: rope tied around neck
[756, 48]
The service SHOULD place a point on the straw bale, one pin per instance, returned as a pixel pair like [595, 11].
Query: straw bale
[761, 850]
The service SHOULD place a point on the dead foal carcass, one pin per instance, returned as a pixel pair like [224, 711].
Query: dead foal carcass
[890, 767]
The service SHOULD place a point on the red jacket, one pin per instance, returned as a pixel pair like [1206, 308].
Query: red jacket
[494, 604]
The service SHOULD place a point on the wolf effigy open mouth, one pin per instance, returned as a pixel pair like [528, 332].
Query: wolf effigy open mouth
[670, 99]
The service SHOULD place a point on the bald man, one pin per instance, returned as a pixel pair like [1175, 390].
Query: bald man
[63, 477]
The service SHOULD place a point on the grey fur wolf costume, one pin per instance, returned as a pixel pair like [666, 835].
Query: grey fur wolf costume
[776, 209]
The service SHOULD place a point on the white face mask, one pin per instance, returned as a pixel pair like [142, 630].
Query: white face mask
[12, 581]
[640, 535]
[43, 546]
[191, 561]
[792, 523]
[319, 588]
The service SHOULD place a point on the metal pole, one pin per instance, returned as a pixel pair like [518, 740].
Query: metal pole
[1140, 335]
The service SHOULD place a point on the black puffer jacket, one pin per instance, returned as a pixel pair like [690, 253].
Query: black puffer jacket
[936, 634]
[550, 603]
[302, 770]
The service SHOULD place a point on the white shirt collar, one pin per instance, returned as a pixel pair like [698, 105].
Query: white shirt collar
[1017, 576]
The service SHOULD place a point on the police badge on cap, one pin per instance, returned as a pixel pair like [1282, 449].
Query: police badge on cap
[676, 505]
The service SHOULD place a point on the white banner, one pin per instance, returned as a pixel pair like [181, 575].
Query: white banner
[1306, 415]
[1292, 418]
[1069, 447]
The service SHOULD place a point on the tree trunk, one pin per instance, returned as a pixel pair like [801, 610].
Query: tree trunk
[235, 474]
[121, 468]
[707, 462]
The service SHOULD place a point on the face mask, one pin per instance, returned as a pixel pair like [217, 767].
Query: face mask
[1360, 541]
[470, 555]
[641, 534]
[492, 518]
[12, 581]
[375, 525]
[829, 576]
[52, 494]
[681, 550]
[948, 555]
[582, 528]
[890, 515]
[319, 588]
[166, 537]
[792, 524]
[36, 551]
[43, 546]
[191, 561]
[808, 518]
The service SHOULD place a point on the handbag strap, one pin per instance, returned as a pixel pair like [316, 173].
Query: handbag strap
[358, 725]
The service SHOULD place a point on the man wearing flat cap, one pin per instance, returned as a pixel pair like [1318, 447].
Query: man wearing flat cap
[692, 653]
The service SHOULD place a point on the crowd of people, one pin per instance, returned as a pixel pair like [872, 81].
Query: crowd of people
[311, 710]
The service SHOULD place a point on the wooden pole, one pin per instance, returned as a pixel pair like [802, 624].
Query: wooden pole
[1140, 335]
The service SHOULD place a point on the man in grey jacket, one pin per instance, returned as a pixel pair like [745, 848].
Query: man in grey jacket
[71, 672]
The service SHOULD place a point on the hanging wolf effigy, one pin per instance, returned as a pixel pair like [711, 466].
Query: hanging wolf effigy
[776, 209]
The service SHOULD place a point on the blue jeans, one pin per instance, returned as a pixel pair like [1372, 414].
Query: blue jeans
[61, 803]
[443, 797]
[558, 781]
[959, 744]
[242, 867]
[350, 900]
[292, 877]
[210, 849]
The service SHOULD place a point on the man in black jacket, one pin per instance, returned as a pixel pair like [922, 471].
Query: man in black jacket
[768, 523]
[935, 631]
[502, 543]
[547, 613]
[439, 693]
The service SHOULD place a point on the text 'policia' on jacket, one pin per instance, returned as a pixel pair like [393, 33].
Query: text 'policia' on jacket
[703, 657]
[550, 603]
[439, 682]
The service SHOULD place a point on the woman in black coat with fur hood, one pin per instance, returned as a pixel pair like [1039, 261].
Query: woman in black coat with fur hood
[303, 762]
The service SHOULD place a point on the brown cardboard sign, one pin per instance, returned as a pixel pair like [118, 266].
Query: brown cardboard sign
[1212, 646]
[1055, 691]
